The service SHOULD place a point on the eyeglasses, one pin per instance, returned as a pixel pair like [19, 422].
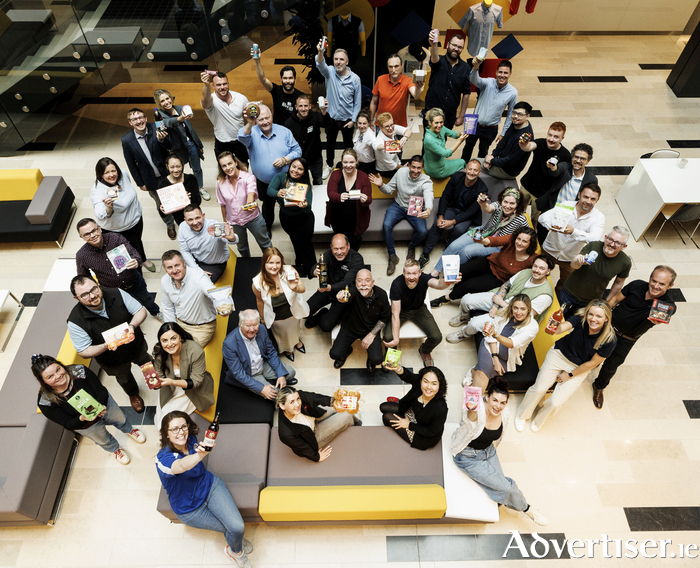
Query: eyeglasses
[178, 429]
[91, 292]
[455, 46]
[519, 114]
[578, 159]
[91, 233]
[614, 243]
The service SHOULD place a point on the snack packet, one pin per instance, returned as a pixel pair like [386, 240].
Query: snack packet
[472, 398]
[223, 300]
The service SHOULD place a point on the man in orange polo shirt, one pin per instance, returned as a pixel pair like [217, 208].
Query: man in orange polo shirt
[390, 93]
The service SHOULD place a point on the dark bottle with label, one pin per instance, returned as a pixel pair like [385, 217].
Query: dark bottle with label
[322, 272]
[210, 437]
[160, 125]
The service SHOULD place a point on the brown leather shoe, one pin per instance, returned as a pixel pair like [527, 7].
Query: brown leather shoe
[598, 398]
[137, 403]
[172, 232]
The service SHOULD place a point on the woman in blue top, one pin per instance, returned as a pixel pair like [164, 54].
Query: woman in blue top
[198, 497]
[435, 143]
[569, 361]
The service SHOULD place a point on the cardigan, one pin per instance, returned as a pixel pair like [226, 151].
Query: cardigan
[299, 437]
[521, 338]
[193, 369]
[503, 263]
[363, 213]
[297, 303]
[430, 419]
[469, 430]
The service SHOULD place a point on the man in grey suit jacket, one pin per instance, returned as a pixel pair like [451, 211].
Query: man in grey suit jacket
[253, 362]
[145, 150]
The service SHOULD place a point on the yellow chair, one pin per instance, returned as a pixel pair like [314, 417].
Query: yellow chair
[19, 185]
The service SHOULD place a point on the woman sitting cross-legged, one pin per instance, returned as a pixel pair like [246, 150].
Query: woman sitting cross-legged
[198, 498]
[474, 450]
[308, 422]
[419, 417]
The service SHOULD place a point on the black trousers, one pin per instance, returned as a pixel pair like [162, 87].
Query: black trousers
[388, 409]
[476, 277]
[122, 372]
[485, 136]
[612, 363]
[335, 126]
[342, 344]
[300, 229]
[268, 207]
[235, 147]
[216, 269]
[328, 320]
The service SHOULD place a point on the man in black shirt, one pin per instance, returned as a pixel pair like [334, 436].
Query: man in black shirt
[368, 313]
[631, 320]
[407, 295]
[449, 81]
[342, 265]
[458, 208]
[507, 160]
[284, 96]
[305, 125]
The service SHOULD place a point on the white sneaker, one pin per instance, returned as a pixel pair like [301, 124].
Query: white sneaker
[468, 379]
[247, 546]
[457, 337]
[327, 170]
[137, 436]
[537, 517]
[460, 320]
[205, 194]
[519, 424]
[533, 426]
[159, 317]
[240, 561]
[122, 457]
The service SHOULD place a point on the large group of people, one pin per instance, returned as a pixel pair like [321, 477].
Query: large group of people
[265, 155]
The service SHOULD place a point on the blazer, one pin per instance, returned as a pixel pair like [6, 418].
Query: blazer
[297, 303]
[177, 137]
[193, 369]
[136, 160]
[299, 437]
[238, 361]
[431, 419]
[548, 200]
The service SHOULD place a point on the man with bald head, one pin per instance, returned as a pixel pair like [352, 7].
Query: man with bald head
[342, 265]
[271, 148]
[368, 313]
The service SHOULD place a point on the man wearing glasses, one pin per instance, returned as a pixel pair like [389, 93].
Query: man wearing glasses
[98, 311]
[92, 258]
[588, 281]
[508, 159]
[449, 81]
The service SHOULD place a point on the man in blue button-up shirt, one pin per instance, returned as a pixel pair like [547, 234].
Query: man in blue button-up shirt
[344, 94]
[271, 148]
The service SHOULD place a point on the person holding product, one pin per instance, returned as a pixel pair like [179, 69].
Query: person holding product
[435, 146]
[175, 167]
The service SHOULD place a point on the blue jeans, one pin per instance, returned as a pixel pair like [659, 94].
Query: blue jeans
[484, 468]
[139, 291]
[467, 249]
[98, 431]
[195, 163]
[258, 229]
[572, 304]
[394, 215]
[218, 513]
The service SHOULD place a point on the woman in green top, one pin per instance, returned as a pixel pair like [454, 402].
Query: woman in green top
[296, 217]
[436, 151]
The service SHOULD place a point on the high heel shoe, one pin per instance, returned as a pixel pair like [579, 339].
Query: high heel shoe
[289, 356]
[301, 349]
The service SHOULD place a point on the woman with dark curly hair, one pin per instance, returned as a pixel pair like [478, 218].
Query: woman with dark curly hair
[198, 498]
[419, 417]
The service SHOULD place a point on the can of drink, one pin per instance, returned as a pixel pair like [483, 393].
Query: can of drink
[553, 160]
[321, 102]
[488, 328]
[256, 51]
[525, 138]
[591, 256]
[212, 73]
[478, 235]
[253, 110]
[187, 110]
[436, 35]
[324, 43]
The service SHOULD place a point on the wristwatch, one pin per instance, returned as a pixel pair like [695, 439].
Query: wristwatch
[571, 375]
[494, 354]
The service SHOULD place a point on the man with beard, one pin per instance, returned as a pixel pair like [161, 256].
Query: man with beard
[283, 96]
[368, 313]
[507, 159]
[305, 125]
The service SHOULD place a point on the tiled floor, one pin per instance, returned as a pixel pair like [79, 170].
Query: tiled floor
[641, 450]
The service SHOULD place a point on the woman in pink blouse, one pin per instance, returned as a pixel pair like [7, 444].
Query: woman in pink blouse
[236, 189]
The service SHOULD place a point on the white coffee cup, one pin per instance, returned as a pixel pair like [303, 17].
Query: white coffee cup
[682, 162]
[187, 110]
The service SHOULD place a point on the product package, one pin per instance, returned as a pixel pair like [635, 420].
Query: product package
[661, 312]
[472, 398]
[393, 356]
[223, 300]
[86, 404]
[119, 257]
[112, 193]
[173, 197]
[150, 376]
[289, 272]
[450, 267]
[346, 401]
[219, 229]
[470, 123]
[415, 205]
[118, 335]
[560, 216]
[392, 146]
[295, 193]
[354, 194]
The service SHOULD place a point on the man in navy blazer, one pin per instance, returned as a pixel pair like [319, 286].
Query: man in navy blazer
[145, 150]
[253, 362]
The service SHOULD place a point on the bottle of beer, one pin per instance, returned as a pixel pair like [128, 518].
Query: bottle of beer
[558, 317]
[346, 294]
[322, 272]
[160, 125]
[211, 434]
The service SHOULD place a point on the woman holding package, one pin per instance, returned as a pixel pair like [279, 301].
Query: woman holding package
[236, 189]
[58, 383]
[182, 135]
[349, 199]
[308, 422]
[437, 153]
[474, 450]
[176, 167]
[186, 385]
[117, 206]
[419, 417]
[569, 361]
[198, 498]
[296, 217]
[279, 293]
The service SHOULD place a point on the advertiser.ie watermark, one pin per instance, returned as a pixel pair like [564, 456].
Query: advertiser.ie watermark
[534, 546]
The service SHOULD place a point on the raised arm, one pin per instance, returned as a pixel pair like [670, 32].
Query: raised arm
[264, 81]
[206, 100]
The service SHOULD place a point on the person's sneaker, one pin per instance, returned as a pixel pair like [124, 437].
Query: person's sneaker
[519, 424]
[461, 320]
[159, 317]
[327, 171]
[240, 561]
[457, 337]
[533, 426]
[537, 517]
[393, 263]
[122, 457]
[423, 260]
[411, 253]
[437, 302]
[426, 357]
[247, 546]
[137, 436]
[468, 378]
[205, 194]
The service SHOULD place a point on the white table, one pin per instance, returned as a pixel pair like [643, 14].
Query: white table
[654, 186]
[4, 295]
